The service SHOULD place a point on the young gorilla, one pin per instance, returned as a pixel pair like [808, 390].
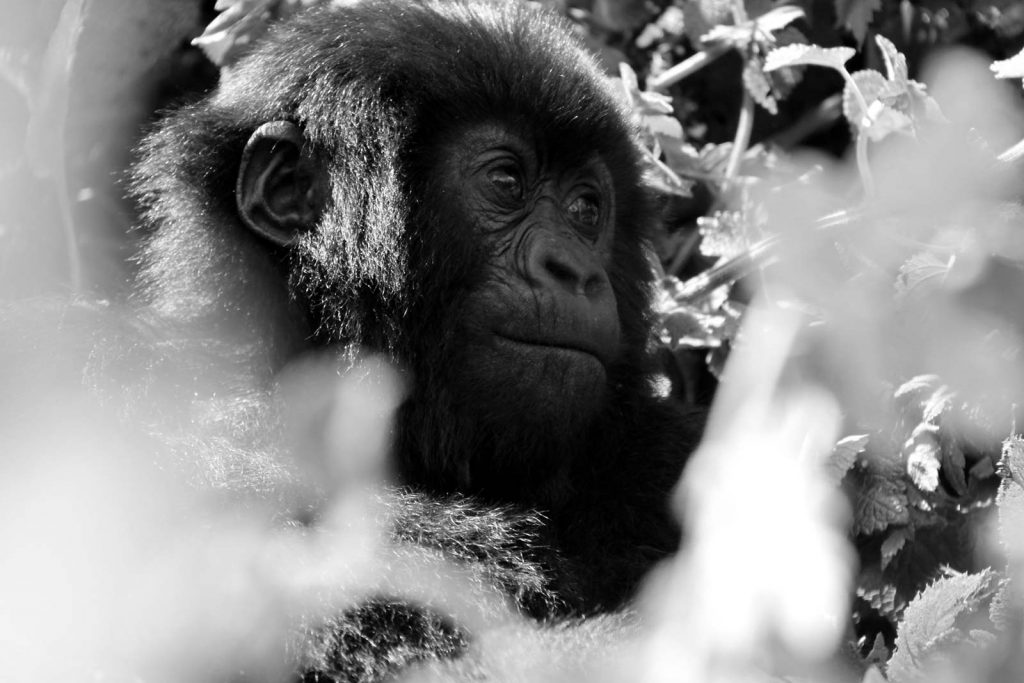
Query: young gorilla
[453, 185]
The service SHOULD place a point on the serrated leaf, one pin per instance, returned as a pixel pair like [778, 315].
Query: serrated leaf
[855, 16]
[895, 62]
[809, 55]
[893, 544]
[923, 466]
[935, 405]
[1004, 611]
[878, 655]
[920, 268]
[758, 85]
[779, 18]
[238, 22]
[1011, 462]
[873, 675]
[736, 37]
[1010, 499]
[1009, 68]
[884, 121]
[882, 598]
[873, 86]
[915, 384]
[879, 503]
[843, 455]
[930, 619]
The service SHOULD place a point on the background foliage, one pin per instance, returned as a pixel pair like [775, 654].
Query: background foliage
[840, 184]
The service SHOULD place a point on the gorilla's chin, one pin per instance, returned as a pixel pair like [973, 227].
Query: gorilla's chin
[536, 385]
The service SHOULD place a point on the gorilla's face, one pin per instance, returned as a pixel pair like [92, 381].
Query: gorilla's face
[542, 327]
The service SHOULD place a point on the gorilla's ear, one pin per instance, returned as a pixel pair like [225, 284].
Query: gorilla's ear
[281, 191]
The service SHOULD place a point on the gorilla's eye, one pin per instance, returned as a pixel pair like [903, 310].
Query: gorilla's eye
[585, 211]
[507, 181]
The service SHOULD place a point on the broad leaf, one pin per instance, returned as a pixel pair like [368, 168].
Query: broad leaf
[844, 455]
[779, 18]
[893, 544]
[895, 62]
[1010, 68]
[916, 384]
[923, 466]
[759, 86]
[930, 620]
[873, 86]
[809, 55]
[922, 267]
[880, 503]
[1010, 500]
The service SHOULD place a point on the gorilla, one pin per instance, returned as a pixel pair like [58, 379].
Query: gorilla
[454, 186]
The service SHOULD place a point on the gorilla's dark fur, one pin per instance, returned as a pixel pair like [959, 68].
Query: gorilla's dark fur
[561, 507]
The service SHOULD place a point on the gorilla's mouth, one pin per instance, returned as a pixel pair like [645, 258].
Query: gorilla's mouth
[573, 346]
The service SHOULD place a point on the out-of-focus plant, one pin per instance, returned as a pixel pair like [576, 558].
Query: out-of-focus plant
[907, 292]
[761, 586]
[875, 300]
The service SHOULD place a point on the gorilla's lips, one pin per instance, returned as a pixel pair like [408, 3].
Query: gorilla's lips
[599, 341]
[576, 345]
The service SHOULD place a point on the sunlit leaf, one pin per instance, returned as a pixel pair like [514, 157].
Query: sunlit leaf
[916, 384]
[895, 62]
[722, 234]
[809, 55]
[923, 267]
[1009, 68]
[931, 618]
[923, 466]
[844, 455]
[759, 86]
[779, 18]
[1010, 499]
[893, 543]
[880, 595]
[873, 675]
[937, 403]
[885, 101]
[880, 503]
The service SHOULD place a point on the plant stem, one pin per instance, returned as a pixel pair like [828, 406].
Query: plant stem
[687, 67]
[1013, 154]
[742, 139]
[684, 252]
[863, 165]
[664, 168]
